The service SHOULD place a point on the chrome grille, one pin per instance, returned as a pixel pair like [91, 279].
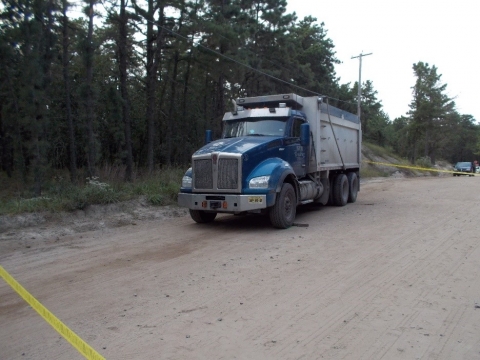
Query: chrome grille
[203, 174]
[227, 174]
[217, 172]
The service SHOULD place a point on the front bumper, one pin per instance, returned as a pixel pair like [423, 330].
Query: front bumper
[222, 203]
[464, 171]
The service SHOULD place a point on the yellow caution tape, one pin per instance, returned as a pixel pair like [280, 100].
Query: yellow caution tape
[418, 168]
[85, 349]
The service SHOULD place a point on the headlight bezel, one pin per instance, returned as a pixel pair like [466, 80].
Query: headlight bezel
[187, 182]
[259, 182]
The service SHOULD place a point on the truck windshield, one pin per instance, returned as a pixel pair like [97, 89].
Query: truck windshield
[255, 127]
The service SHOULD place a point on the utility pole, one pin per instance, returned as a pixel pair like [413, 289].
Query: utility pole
[360, 81]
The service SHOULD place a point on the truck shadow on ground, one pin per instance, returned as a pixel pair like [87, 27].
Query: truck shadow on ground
[256, 222]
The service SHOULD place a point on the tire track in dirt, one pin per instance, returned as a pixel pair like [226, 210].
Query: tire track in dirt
[364, 296]
[407, 235]
[390, 289]
[361, 282]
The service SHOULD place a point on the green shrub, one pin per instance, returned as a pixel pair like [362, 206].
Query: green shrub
[29, 205]
[160, 188]
[424, 162]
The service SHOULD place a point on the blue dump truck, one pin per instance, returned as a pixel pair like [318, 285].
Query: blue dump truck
[276, 153]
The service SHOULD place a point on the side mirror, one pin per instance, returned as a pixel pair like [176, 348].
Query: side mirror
[305, 134]
[208, 136]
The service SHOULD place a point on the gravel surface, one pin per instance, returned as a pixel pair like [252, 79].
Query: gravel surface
[393, 276]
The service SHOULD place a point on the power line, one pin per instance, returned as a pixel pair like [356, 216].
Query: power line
[245, 65]
[237, 62]
[199, 45]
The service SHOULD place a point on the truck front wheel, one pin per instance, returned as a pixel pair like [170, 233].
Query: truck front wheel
[282, 214]
[340, 190]
[201, 216]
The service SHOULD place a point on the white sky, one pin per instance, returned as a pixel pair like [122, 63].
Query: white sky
[398, 34]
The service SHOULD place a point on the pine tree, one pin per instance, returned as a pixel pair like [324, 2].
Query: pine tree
[429, 107]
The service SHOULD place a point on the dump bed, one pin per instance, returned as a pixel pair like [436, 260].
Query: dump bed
[336, 136]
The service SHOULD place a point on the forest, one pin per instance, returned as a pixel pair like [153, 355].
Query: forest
[133, 85]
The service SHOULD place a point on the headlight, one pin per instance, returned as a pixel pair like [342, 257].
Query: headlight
[260, 182]
[186, 182]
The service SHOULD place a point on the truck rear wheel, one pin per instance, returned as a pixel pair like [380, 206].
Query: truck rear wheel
[340, 190]
[352, 187]
[282, 214]
[201, 216]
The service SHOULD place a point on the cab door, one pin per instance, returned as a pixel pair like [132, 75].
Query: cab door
[295, 153]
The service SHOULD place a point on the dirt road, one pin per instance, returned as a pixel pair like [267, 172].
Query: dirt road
[394, 276]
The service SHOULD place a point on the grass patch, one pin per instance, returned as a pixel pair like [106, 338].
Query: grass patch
[368, 171]
[384, 156]
[380, 151]
[160, 188]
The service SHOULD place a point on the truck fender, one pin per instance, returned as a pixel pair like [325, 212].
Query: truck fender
[278, 170]
[290, 177]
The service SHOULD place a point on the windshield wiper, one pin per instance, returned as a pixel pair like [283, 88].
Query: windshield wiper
[256, 135]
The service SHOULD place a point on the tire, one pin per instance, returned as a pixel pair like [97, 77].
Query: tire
[340, 190]
[282, 214]
[202, 217]
[352, 187]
